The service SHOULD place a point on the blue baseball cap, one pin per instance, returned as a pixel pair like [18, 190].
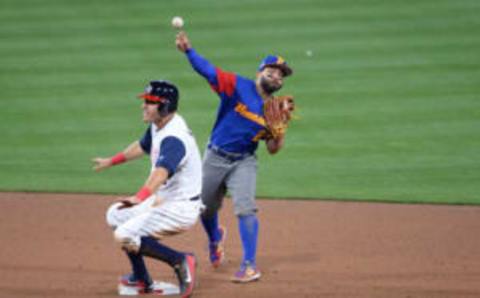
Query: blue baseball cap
[278, 62]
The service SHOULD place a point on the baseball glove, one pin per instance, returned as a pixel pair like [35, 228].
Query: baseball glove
[278, 112]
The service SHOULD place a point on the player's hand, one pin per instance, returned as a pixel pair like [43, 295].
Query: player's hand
[182, 42]
[100, 163]
[128, 202]
[275, 144]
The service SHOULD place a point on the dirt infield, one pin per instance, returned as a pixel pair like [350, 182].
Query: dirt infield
[58, 245]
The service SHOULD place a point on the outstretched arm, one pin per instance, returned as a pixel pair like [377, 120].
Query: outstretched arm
[200, 64]
[134, 150]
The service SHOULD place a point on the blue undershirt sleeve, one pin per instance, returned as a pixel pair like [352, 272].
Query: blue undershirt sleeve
[172, 151]
[146, 141]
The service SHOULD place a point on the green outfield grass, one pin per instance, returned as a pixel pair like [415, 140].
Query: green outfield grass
[388, 91]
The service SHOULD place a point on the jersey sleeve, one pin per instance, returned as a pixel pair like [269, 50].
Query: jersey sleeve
[172, 151]
[146, 140]
[221, 81]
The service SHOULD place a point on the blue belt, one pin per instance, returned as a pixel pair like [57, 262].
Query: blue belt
[231, 156]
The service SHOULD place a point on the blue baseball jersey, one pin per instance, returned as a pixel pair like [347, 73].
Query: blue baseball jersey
[240, 123]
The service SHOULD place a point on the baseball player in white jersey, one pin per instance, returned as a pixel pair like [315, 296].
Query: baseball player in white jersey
[169, 201]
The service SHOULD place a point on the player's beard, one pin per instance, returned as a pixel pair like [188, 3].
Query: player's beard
[269, 87]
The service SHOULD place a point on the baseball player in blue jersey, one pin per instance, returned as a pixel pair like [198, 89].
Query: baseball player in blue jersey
[169, 202]
[230, 162]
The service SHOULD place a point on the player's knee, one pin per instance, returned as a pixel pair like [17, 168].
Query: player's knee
[126, 241]
[112, 216]
[210, 209]
[245, 208]
[209, 213]
[246, 212]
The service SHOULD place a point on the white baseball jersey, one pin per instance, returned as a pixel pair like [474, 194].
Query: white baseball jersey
[180, 205]
[186, 182]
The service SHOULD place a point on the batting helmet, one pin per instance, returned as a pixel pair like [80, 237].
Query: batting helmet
[164, 93]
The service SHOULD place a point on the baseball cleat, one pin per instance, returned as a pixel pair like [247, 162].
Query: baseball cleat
[217, 252]
[185, 272]
[247, 273]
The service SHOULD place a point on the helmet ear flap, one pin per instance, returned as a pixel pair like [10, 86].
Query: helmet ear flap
[163, 108]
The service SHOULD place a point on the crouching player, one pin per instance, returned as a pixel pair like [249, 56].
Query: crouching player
[169, 201]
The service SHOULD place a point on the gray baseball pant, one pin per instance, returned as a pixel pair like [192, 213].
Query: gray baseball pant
[220, 175]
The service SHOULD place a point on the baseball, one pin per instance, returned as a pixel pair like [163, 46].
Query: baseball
[177, 22]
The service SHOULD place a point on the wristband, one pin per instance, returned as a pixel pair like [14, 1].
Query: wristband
[118, 159]
[143, 194]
